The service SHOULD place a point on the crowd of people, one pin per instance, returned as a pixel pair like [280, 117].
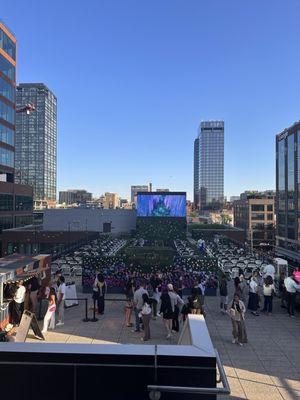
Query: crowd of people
[256, 296]
[31, 296]
[152, 298]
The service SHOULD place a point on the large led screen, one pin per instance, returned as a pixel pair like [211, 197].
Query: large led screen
[161, 205]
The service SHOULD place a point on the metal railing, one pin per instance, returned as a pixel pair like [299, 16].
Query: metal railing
[156, 390]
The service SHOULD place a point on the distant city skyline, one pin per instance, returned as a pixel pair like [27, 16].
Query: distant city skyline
[128, 114]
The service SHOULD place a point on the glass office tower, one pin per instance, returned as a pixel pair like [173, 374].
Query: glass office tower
[288, 192]
[7, 103]
[15, 200]
[36, 136]
[209, 165]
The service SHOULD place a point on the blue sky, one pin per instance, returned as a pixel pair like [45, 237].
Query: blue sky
[135, 78]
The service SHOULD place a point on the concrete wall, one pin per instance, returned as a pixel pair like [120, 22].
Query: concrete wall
[92, 220]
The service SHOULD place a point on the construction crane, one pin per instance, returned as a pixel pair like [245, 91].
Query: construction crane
[28, 108]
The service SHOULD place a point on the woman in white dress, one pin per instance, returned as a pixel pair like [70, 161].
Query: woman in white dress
[49, 319]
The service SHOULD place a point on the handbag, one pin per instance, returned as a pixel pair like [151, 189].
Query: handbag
[232, 312]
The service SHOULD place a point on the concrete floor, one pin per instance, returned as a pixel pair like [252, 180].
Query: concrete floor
[267, 368]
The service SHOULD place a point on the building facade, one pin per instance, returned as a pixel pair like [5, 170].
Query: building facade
[36, 140]
[138, 188]
[255, 213]
[111, 200]
[15, 200]
[209, 166]
[74, 196]
[288, 192]
[196, 173]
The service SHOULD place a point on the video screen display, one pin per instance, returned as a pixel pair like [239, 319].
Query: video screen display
[161, 204]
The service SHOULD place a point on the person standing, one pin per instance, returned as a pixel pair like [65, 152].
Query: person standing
[167, 312]
[268, 291]
[146, 316]
[34, 288]
[291, 288]
[253, 303]
[223, 294]
[102, 288]
[138, 304]
[177, 308]
[269, 270]
[282, 290]
[243, 289]
[237, 315]
[61, 296]
[49, 319]
[194, 302]
[18, 304]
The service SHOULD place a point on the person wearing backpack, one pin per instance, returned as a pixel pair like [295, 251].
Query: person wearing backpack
[146, 316]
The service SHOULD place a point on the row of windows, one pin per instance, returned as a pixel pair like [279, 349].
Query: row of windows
[7, 45]
[261, 207]
[20, 220]
[6, 157]
[7, 68]
[22, 203]
[6, 135]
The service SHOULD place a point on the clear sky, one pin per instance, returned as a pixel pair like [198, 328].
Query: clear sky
[135, 78]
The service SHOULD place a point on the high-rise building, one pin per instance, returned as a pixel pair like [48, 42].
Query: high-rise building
[255, 213]
[138, 188]
[196, 173]
[74, 196]
[288, 192]
[209, 165]
[36, 140]
[15, 200]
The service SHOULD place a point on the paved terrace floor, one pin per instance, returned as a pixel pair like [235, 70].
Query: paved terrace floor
[267, 368]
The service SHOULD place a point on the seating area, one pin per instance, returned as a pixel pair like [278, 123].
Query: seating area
[183, 248]
[235, 260]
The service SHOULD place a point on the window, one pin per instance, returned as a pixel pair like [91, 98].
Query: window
[257, 216]
[24, 203]
[6, 223]
[7, 113]
[7, 68]
[7, 45]
[6, 202]
[6, 157]
[257, 207]
[270, 217]
[6, 135]
[22, 220]
[270, 207]
[7, 90]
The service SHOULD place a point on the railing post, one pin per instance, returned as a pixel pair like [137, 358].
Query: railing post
[86, 319]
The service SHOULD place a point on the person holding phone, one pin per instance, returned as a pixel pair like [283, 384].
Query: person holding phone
[237, 315]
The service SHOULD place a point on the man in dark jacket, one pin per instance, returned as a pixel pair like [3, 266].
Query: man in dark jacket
[223, 294]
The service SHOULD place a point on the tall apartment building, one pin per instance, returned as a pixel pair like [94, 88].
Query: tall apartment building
[288, 192]
[36, 141]
[138, 188]
[255, 213]
[74, 196]
[209, 166]
[15, 200]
